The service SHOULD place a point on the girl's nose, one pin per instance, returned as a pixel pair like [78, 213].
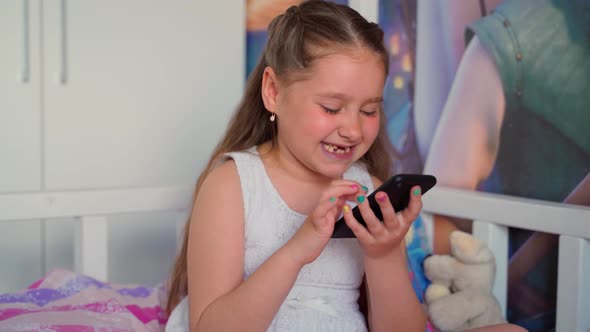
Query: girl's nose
[350, 128]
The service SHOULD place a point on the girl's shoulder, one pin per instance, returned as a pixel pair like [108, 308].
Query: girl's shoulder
[219, 198]
[223, 175]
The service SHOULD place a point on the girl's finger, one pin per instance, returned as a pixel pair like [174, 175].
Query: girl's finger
[335, 196]
[345, 190]
[374, 225]
[361, 233]
[343, 182]
[411, 212]
[353, 184]
[333, 199]
[390, 219]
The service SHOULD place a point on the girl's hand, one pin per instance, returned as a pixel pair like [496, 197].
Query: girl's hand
[311, 238]
[379, 239]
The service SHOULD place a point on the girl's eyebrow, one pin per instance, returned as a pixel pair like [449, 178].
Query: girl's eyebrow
[374, 100]
[344, 97]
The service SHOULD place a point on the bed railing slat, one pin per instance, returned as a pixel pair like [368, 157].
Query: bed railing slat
[496, 237]
[573, 288]
[91, 247]
[46, 205]
[525, 213]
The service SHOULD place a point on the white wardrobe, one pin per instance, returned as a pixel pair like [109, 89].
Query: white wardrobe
[99, 94]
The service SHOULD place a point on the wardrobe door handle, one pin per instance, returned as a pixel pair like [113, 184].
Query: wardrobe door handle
[63, 69]
[25, 67]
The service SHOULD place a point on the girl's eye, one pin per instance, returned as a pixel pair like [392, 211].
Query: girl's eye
[369, 113]
[329, 110]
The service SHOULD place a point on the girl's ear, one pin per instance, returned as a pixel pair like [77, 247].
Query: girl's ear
[270, 89]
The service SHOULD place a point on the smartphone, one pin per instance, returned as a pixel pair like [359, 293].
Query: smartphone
[398, 189]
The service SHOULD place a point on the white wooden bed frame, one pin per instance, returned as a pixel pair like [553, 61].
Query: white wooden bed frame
[492, 215]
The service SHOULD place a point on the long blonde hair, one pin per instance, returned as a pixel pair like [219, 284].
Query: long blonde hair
[291, 36]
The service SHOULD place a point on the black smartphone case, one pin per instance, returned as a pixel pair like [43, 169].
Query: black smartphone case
[398, 189]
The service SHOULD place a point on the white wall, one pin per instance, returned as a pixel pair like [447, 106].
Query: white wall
[29, 249]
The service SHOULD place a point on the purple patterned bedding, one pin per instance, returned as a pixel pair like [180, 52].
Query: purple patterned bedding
[64, 301]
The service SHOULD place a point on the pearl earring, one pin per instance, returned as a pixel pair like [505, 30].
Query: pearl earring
[272, 117]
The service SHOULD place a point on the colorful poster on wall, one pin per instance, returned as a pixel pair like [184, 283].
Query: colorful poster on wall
[508, 115]
[398, 21]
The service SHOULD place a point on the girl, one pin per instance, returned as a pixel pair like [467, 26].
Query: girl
[306, 139]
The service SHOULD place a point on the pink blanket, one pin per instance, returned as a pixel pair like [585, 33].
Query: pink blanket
[64, 301]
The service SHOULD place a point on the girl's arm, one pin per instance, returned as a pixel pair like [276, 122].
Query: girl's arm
[218, 298]
[392, 303]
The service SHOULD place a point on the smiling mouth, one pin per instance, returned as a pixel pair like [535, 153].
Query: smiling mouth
[336, 148]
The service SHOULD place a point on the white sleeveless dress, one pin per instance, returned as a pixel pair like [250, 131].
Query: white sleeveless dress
[324, 297]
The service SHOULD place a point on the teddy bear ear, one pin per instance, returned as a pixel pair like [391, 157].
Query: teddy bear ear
[484, 255]
[469, 249]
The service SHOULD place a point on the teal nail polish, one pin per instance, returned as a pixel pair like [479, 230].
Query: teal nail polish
[332, 199]
[365, 189]
[417, 192]
[360, 199]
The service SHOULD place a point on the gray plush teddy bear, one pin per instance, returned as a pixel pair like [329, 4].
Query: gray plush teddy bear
[460, 296]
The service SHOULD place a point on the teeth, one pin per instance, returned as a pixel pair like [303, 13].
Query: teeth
[336, 149]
